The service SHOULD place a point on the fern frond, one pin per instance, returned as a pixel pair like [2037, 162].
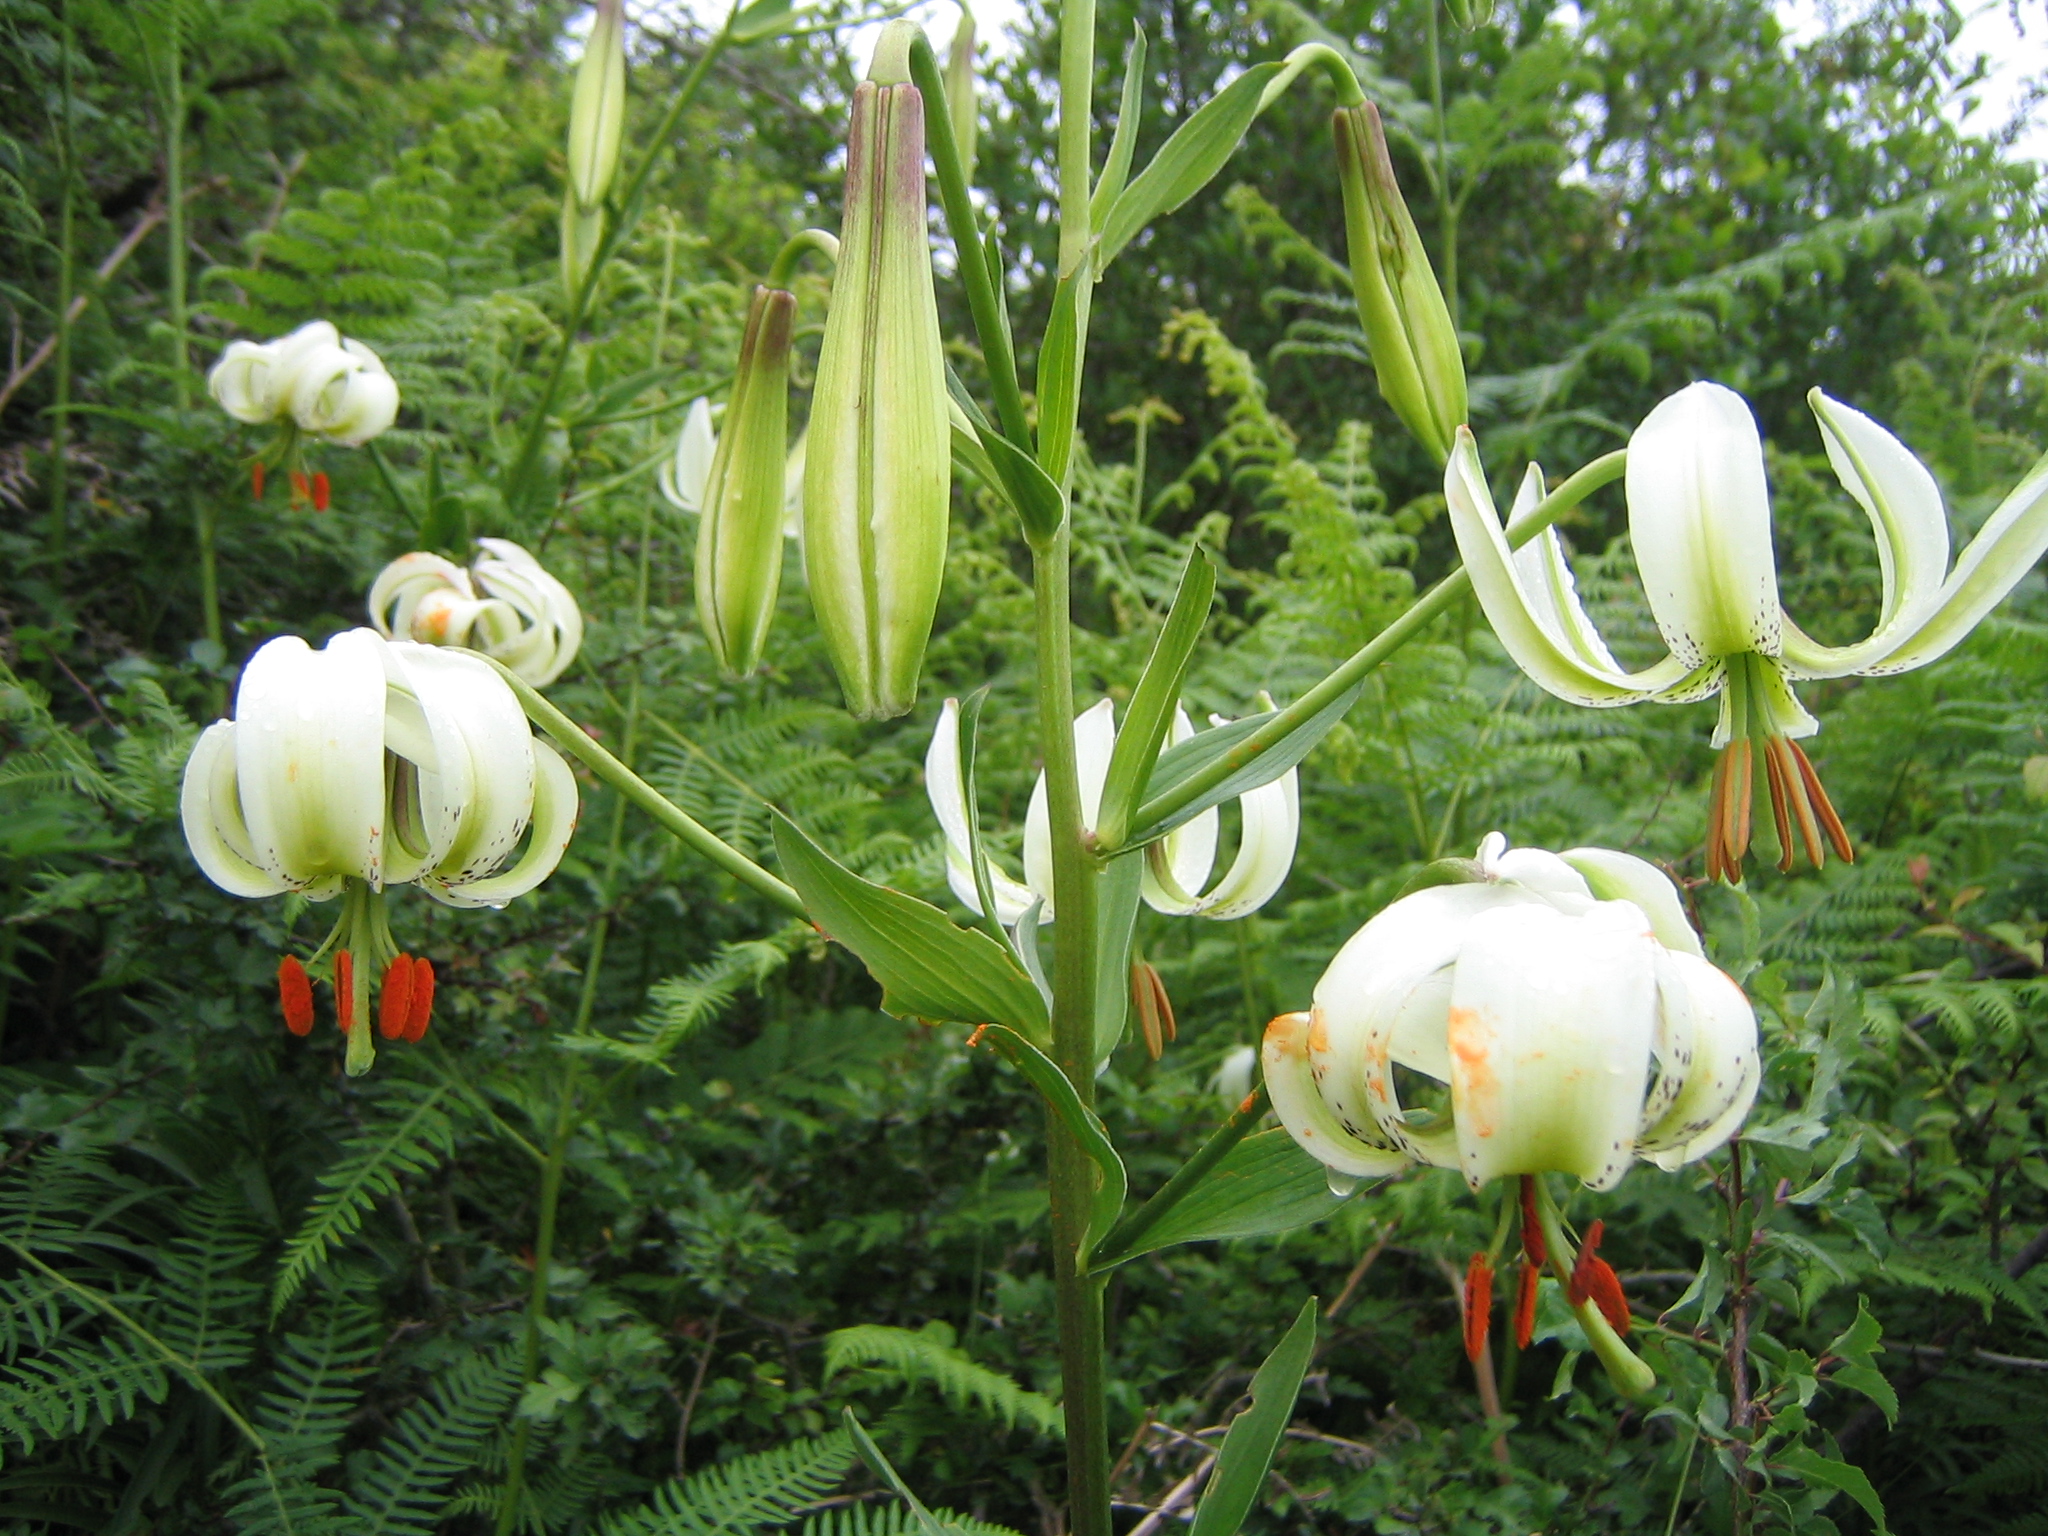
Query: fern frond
[929, 1357]
[893, 1519]
[682, 1005]
[411, 1141]
[62, 1391]
[207, 1303]
[435, 1441]
[765, 1490]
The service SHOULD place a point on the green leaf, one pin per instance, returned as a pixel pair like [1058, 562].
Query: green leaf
[1030, 491]
[1117, 890]
[1185, 760]
[1152, 703]
[1187, 162]
[1811, 1467]
[1116, 170]
[1856, 1346]
[1247, 1452]
[871, 1453]
[1110, 1181]
[1059, 374]
[1264, 1184]
[929, 967]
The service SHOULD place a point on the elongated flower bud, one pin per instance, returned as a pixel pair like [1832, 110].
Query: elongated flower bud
[597, 110]
[739, 538]
[1407, 326]
[878, 469]
[582, 228]
[963, 105]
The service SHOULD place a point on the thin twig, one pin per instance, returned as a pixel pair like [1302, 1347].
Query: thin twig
[696, 1387]
[1176, 1500]
[1358, 1272]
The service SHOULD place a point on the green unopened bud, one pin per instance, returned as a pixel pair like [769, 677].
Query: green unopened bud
[739, 539]
[1407, 326]
[963, 104]
[878, 471]
[597, 111]
[582, 229]
[1470, 15]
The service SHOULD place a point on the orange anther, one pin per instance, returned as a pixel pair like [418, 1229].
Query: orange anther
[394, 1008]
[302, 490]
[295, 995]
[1594, 1280]
[1478, 1305]
[1525, 1306]
[320, 491]
[344, 989]
[422, 999]
[256, 474]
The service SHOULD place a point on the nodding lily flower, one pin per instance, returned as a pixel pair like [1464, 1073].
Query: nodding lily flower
[325, 385]
[367, 764]
[1177, 864]
[1700, 521]
[504, 605]
[1562, 1008]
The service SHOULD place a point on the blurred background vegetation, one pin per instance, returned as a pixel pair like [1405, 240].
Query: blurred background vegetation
[1631, 194]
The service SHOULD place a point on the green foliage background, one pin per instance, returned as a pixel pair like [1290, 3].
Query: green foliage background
[780, 1201]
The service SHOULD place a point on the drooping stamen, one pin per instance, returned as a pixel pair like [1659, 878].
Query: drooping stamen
[256, 476]
[344, 989]
[1525, 1305]
[302, 490]
[1728, 811]
[1594, 1280]
[422, 1000]
[1532, 1225]
[1478, 1306]
[1155, 1008]
[1817, 798]
[394, 1008]
[295, 995]
[320, 491]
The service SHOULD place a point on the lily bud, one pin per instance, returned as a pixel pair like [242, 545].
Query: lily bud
[1407, 325]
[597, 110]
[1470, 15]
[878, 471]
[739, 536]
[582, 228]
[963, 105]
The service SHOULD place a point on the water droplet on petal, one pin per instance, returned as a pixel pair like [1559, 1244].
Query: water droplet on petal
[1342, 1184]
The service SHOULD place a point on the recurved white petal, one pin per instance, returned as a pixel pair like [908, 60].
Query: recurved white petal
[1699, 515]
[209, 804]
[553, 822]
[243, 382]
[1719, 1080]
[1615, 876]
[1549, 1033]
[1179, 863]
[407, 582]
[1290, 1079]
[1265, 853]
[689, 472]
[553, 619]
[1553, 661]
[1094, 741]
[1546, 580]
[309, 757]
[944, 785]
[477, 718]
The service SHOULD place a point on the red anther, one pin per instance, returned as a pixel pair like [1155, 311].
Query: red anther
[394, 1007]
[422, 999]
[256, 473]
[320, 491]
[302, 490]
[295, 995]
[1532, 1224]
[344, 990]
[1525, 1306]
[1478, 1306]
[1594, 1280]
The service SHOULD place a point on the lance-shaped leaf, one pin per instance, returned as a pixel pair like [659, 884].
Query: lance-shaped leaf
[928, 967]
[1116, 170]
[1264, 1184]
[1152, 703]
[1247, 1453]
[1111, 1184]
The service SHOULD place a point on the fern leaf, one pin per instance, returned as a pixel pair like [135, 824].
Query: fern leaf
[369, 1169]
[303, 1418]
[61, 1392]
[893, 1520]
[435, 1441]
[930, 1357]
[767, 1489]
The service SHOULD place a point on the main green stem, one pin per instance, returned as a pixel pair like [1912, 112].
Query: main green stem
[1426, 610]
[181, 352]
[67, 260]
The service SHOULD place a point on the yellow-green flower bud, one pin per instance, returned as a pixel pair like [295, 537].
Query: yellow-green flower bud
[739, 537]
[597, 111]
[963, 105]
[878, 470]
[582, 229]
[1407, 326]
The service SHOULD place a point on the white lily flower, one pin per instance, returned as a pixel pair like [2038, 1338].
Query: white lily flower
[330, 387]
[505, 605]
[1177, 864]
[366, 764]
[687, 474]
[1700, 521]
[1563, 1002]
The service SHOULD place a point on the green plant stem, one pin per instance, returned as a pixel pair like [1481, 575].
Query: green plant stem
[1447, 209]
[579, 744]
[983, 301]
[67, 261]
[795, 248]
[1128, 1233]
[1425, 611]
[518, 482]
